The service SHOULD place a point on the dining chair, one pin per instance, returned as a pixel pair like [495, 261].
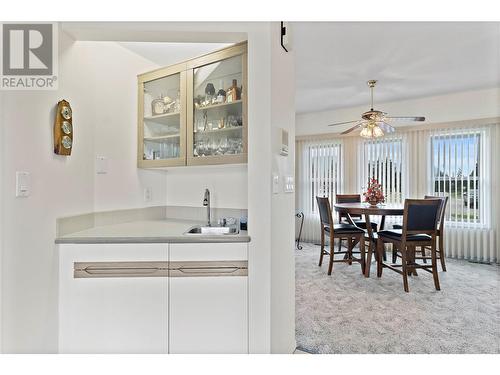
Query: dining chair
[357, 219]
[419, 229]
[350, 232]
[440, 234]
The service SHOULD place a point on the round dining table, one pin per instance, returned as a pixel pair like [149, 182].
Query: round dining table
[367, 210]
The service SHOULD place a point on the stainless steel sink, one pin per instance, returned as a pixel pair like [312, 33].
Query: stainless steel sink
[211, 231]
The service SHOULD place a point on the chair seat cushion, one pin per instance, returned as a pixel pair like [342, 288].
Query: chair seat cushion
[362, 224]
[396, 234]
[399, 226]
[344, 229]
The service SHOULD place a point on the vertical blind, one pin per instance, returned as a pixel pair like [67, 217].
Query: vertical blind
[456, 168]
[461, 168]
[382, 159]
[320, 173]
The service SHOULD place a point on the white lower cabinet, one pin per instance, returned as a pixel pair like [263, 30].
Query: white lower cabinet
[208, 300]
[107, 312]
[153, 298]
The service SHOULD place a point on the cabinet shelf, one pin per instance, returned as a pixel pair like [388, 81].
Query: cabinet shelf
[161, 138]
[217, 131]
[164, 119]
[220, 105]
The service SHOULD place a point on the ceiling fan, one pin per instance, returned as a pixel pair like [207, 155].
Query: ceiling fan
[375, 123]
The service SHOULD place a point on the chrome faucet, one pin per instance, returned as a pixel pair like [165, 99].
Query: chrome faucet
[206, 203]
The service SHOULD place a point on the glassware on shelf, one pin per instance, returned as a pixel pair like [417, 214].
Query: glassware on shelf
[158, 106]
[177, 105]
[162, 134]
[215, 118]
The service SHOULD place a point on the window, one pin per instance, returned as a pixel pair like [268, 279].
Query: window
[323, 171]
[383, 160]
[320, 172]
[456, 173]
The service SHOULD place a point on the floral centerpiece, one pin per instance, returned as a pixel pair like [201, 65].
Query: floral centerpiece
[374, 194]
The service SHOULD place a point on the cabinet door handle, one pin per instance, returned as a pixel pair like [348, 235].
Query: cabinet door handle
[119, 269]
[208, 268]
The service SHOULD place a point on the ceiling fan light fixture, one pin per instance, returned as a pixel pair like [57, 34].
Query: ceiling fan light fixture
[371, 131]
[377, 131]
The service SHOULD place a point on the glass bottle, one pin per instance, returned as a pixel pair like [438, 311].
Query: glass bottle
[233, 93]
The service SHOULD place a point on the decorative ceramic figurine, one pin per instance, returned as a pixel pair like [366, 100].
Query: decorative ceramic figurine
[221, 96]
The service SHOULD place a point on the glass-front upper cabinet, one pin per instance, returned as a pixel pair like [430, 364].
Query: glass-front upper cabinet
[217, 110]
[162, 117]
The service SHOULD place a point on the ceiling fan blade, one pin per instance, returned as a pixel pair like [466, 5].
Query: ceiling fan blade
[342, 123]
[358, 125]
[407, 118]
[386, 127]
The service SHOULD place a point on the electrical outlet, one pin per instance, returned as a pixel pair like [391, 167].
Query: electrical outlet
[148, 194]
[101, 165]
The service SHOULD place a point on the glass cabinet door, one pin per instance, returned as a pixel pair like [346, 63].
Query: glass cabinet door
[163, 121]
[217, 123]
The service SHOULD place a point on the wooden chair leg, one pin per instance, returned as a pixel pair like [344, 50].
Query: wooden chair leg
[394, 253]
[441, 253]
[322, 247]
[369, 258]
[434, 266]
[340, 244]
[384, 255]
[362, 253]
[330, 265]
[404, 269]
[349, 250]
[412, 251]
[422, 250]
[380, 246]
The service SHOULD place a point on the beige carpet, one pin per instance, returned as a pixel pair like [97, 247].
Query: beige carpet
[346, 313]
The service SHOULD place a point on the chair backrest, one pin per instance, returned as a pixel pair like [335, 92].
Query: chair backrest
[421, 216]
[325, 211]
[347, 198]
[442, 209]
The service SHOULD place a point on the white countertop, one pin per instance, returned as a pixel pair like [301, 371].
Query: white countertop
[147, 231]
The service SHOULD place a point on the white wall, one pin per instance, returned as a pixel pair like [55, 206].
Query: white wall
[60, 186]
[227, 184]
[115, 72]
[459, 106]
[283, 204]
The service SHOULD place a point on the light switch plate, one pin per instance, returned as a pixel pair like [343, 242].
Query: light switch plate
[289, 184]
[23, 184]
[101, 165]
[276, 183]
